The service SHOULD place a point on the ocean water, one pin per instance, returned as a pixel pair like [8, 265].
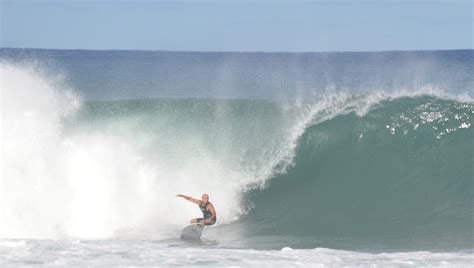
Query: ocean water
[322, 159]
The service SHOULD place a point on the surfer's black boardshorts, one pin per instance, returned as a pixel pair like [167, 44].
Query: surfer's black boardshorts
[211, 223]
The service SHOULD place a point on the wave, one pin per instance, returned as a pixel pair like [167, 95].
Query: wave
[340, 163]
[403, 169]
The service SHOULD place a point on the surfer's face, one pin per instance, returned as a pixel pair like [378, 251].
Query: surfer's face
[205, 198]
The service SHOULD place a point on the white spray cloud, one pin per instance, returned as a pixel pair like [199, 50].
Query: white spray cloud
[94, 185]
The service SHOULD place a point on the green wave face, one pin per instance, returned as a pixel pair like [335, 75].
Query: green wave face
[404, 169]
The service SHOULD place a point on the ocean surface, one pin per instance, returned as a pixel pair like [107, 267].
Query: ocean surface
[322, 159]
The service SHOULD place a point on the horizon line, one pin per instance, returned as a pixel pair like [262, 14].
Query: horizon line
[243, 51]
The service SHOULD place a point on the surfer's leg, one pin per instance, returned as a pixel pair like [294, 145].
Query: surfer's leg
[209, 223]
[196, 220]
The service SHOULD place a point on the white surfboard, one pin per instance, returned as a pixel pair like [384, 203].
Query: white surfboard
[192, 232]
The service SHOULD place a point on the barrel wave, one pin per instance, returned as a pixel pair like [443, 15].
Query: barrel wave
[335, 169]
[403, 170]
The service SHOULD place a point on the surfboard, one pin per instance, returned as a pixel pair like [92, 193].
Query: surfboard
[192, 232]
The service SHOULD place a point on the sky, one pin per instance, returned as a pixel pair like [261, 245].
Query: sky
[226, 25]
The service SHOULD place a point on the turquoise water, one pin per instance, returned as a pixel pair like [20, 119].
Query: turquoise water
[402, 173]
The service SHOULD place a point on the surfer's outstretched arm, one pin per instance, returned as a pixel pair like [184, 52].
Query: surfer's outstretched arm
[196, 201]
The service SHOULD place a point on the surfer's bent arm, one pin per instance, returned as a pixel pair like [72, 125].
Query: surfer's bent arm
[190, 199]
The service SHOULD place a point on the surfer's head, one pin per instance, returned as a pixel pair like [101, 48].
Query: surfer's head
[205, 198]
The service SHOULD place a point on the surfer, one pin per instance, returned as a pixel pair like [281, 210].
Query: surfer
[208, 210]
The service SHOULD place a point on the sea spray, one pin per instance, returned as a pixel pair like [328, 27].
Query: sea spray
[92, 170]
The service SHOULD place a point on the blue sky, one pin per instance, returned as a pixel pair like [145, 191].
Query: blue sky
[228, 25]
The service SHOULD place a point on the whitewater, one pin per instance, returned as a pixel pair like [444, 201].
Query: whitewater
[95, 146]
